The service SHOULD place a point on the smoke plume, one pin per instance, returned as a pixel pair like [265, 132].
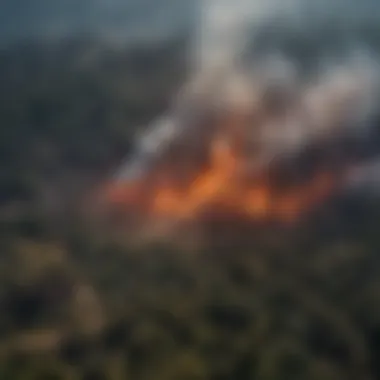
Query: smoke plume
[281, 111]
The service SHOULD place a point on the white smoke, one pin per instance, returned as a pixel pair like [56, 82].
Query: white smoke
[319, 57]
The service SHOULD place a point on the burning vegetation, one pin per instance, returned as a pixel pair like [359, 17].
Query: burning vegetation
[262, 147]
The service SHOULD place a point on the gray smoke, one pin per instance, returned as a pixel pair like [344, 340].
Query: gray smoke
[318, 59]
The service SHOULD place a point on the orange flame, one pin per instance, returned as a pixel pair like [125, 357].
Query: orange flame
[222, 184]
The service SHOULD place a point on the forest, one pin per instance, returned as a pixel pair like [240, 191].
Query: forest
[77, 304]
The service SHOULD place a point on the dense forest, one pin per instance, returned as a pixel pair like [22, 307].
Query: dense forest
[76, 304]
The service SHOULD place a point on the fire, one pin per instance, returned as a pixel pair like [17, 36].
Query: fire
[246, 152]
[223, 184]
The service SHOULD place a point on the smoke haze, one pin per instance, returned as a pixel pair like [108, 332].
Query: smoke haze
[293, 84]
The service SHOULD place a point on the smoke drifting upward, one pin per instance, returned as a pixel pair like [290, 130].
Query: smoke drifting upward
[281, 113]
